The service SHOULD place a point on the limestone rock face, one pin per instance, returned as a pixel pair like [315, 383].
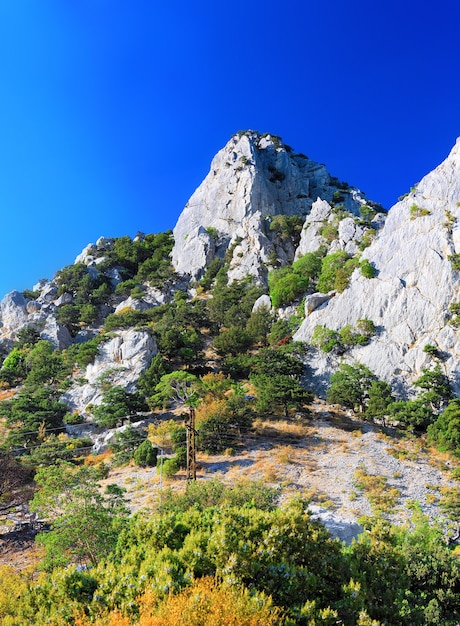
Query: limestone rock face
[13, 312]
[409, 298]
[252, 179]
[120, 361]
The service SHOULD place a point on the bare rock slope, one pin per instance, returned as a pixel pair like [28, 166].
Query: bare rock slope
[252, 179]
[416, 257]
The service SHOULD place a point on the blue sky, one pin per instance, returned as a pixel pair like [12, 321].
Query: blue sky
[111, 111]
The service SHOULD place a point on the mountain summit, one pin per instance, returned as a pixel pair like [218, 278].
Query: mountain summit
[233, 213]
[262, 212]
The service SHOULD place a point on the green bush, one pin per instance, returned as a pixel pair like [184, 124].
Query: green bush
[334, 272]
[168, 467]
[146, 454]
[367, 269]
[416, 211]
[285, 287]
[445, 431]
[325, 339]
[125, 443]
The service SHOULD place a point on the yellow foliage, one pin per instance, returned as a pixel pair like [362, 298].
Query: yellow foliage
[208, 603]
[160, 434]
[211, 407]
[12, 586]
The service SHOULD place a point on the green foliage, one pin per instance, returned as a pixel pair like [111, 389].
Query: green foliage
[27, 337]
[347, 337]
[83, 354]
[367, 269]
[286, 286]
[416, 211]
[330, 231]
[421, 575]
[223, 422]
[350, 386]
[325, 339]
[125, 444]
[127, 318]
[280, 331]
[85, 523]
[289, 283]
[436, 386]
[178, 386]
[127, 287]
[213, 493]
[231, 305]
[287, 227]
[380, 397]
[34, 413]
[170, 467]
[414, 414]
[432, 350]
[146, 454]
[418, 414]
[260, 324]
[178, 329]
[445, 431]
[13, 369]
[117, 403]
[396, 575]
[150, 378]
[455, 261]
[59, 447]
[367, 214]
[212, 232]
[276, 376]
[367, 238]
[211, 271]
[45, 365]
[233, 341]
[336, 269]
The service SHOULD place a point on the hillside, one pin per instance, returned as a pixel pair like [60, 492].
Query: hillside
[288, 339]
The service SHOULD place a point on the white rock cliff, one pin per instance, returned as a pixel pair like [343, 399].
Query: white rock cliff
[251, 180]
[416, 282]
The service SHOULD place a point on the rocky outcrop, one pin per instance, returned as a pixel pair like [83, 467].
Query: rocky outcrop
[417, 280]
[119, 361]
[252, 180]
[13, 313]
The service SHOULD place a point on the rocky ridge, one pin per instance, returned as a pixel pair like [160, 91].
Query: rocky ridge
[253, 179]
[416, 282]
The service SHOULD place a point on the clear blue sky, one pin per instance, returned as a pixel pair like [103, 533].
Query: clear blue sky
[111, 111]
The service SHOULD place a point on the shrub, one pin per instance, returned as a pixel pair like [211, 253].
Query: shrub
[367, 269]
[285, 287]
[334, 274]
[445, 431]
[350, 386]
[146, 454]
[125, 443]
[325, 339]
[169, 467]
[416, 211]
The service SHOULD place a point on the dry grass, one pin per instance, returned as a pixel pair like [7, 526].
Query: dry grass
[383, 499]
[284, 431]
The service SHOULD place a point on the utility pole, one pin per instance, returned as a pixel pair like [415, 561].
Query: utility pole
[191, 446]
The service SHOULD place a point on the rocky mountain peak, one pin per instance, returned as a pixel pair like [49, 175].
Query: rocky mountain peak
[252, 180]
[412, 299]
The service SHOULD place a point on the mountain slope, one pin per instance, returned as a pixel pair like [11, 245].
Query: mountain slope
[412, 298]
